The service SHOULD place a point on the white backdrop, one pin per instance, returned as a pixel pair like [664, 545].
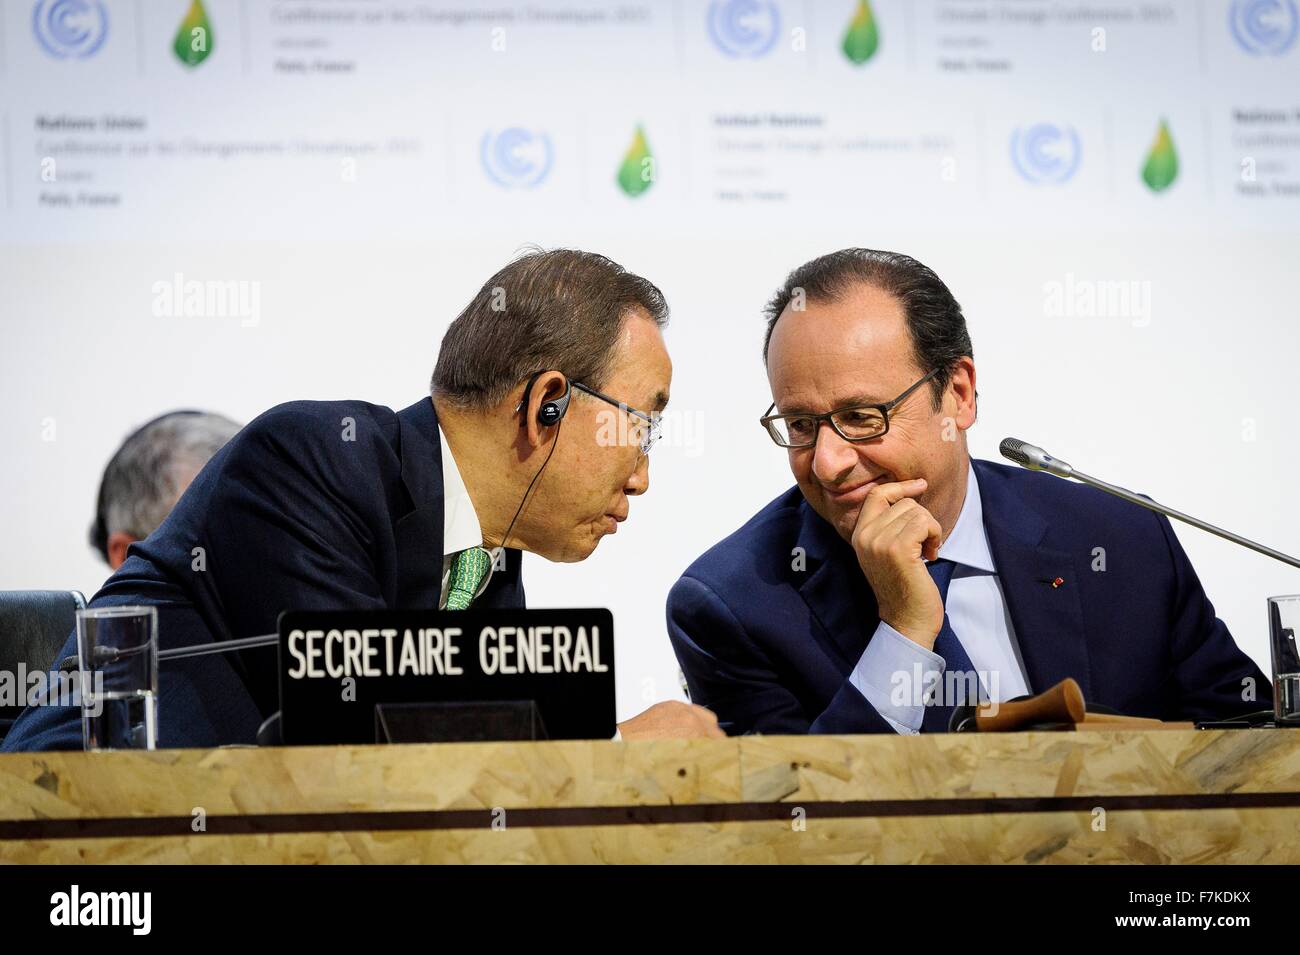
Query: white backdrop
[359, 168]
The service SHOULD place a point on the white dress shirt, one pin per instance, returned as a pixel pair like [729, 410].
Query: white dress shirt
[977, 611]
[460, 526]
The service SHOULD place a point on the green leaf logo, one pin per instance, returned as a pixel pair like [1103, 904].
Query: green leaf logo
[193, 40]
[862, 37]
[1161, 167]
[636, 173]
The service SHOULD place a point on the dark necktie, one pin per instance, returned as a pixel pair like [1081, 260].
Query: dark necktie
[954, 656]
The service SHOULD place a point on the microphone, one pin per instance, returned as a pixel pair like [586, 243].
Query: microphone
[1033, 457]
[1036, 459]
[101, 656]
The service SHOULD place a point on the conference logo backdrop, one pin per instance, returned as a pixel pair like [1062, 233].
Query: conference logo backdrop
[744, 28]
[1161, 166]
[70, 29]
[516, 158]
[1045, 153]
[193, 42]
[862, 38]
[1264, 27]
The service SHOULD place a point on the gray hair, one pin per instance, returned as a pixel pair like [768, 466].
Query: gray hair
[556, 310]
[143, 479]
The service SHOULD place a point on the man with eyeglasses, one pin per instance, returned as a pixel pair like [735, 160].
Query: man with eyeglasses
[534, 436]
[900, 578]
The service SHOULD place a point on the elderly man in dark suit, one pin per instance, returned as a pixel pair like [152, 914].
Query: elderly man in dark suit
[348, 505]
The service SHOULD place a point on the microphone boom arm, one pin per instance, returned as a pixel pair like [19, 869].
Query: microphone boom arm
[1151, 505]
[1036, 459]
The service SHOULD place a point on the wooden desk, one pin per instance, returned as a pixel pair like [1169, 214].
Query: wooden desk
[1161, 796]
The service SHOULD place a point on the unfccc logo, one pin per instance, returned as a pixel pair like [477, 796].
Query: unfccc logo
[1046, 153]
[70, 28]
[1264, 27]
[516, 158]
[744, 28]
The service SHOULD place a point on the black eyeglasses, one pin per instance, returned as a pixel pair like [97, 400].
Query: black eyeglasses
[857, 423]
[644, 436]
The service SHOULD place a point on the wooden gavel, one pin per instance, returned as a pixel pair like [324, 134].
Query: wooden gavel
[1062, 703]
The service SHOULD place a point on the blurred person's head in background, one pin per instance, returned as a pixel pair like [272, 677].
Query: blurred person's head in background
[149, 473]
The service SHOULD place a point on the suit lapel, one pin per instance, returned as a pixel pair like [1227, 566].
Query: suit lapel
[834, 588]
[1048, 620]
[418, 535]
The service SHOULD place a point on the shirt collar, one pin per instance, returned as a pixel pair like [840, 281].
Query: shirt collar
[460, 526]
[968, 544]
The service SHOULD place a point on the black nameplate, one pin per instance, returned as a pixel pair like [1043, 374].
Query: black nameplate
[335, 666]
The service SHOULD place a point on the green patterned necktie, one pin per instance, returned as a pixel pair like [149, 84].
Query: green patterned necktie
[468, 568]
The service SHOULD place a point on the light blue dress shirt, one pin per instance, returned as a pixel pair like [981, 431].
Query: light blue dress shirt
[977, 610]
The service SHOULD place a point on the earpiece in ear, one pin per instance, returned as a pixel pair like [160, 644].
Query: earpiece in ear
[551, 412]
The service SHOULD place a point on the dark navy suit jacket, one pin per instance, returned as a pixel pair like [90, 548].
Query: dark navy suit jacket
[313, 506]
[767, 640]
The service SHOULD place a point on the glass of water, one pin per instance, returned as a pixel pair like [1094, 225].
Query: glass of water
[1283, 630]
[118, 652]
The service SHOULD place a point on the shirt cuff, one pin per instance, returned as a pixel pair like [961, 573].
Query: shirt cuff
[892, 674]
[618, 735]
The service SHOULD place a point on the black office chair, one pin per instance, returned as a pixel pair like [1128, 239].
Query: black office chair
[34, 625]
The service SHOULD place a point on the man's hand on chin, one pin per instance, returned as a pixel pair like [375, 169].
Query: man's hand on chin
[893, 535]
[672, 719]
